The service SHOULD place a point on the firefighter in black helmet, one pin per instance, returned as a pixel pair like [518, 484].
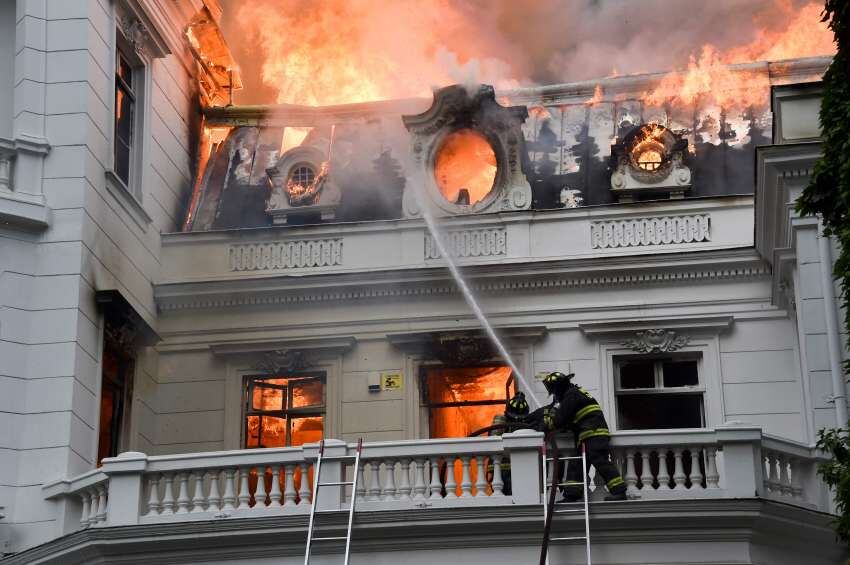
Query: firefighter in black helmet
[573, 409]
[515, 413]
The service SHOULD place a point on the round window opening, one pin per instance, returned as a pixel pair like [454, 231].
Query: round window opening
[465, 167]
[649, 158]
[302, 175]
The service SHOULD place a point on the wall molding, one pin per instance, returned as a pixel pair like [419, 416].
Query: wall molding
[659, 230]
[296, 254]
[483, 242]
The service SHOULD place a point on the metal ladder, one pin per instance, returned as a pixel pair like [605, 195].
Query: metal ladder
[549, 494]
[317, 484]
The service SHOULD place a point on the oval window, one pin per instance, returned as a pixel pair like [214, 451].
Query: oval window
[465, 167]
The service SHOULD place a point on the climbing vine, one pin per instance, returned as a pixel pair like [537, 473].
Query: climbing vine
[828, 193]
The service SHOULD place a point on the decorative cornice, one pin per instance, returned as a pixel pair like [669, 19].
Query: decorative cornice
[285, 352]
[656, 341]
[231, 294]
[294, 254]
[484, 242]
[663, 230]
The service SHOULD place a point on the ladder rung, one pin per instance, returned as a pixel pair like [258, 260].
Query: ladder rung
[336, 483]
[565, 510]
[337, 457]
[330, 538]
[565, 503]
[570, 458]
[567, 539]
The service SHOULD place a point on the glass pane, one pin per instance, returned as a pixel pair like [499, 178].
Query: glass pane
[272, 431]
[680, 373]
[307, 430]
[124, 70]
[307, 392]
[465, 384]
[252, 432]
[268, 398]
[460, 421]
[637, 374]
[108, 405]
[659, 411]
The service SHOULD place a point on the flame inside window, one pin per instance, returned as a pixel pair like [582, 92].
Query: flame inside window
[649, 159]
[465, 161]
[302, 175]
[462, 400]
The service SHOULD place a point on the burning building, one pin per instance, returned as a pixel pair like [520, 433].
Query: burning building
[196, 292]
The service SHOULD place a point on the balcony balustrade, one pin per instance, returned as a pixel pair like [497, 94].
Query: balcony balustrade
[729, 462]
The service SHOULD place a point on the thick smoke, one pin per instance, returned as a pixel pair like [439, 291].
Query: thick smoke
[332, 51]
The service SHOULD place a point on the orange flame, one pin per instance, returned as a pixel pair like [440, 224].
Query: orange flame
[465, 160]
[709, 78]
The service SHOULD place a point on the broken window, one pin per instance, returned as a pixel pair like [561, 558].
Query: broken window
[125, 117]
[462, 400]
[659, 393]
[284, 411]
[117, 365]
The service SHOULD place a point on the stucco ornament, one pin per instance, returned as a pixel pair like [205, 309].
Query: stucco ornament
[282, 361]
[656, 341]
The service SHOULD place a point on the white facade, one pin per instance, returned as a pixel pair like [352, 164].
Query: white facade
[739, 280]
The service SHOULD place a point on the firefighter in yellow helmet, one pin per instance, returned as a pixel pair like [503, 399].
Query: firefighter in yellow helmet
[573, 409]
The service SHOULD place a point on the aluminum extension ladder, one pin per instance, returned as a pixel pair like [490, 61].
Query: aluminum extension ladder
[550, 491]
[317, 484]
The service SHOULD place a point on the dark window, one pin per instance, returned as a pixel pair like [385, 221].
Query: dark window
[284, 410]
[125, 103]
[462, 400]
[659, 393]
[116, 389]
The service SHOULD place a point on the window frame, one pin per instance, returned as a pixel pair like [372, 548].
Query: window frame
[658, 360]
[286, 414]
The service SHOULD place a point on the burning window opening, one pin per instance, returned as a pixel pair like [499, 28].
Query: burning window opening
[284, 411]
[304, 184]
[649, 159]
[462, 400]
[302, 175]
[465, 167]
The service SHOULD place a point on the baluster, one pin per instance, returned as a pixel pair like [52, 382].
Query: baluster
[361, 483]
[228, 500]
[374, 480]
[289, 493]
[712, 477]
[244, 498]
[465, 481]
[214, 498]
[168, 494]
[784, 479]
[796, 487]
[404, 488]
[84, 512]
[304, 492]
[451, 484]
[93, 510]
[389, 490]
[598, 482]
[773, 479]
[646, 477]
[630, 477]
[480, 476]
[435, 485]
[679, 476]
[153, 495]
[663, 471]
[198, 494]
[498, 483]
[419, 486]
[183, 494]
[696, 473]
[101, 503]
[274, 493]
[260, 493]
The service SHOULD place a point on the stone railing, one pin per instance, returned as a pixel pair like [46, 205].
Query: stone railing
[729, 462]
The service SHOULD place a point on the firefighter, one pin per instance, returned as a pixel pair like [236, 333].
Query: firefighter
[515, 413]
[573, 409]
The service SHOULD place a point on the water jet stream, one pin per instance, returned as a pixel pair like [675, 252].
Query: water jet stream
[467, 292]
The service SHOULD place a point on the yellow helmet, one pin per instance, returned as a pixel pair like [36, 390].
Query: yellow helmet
[556, 382]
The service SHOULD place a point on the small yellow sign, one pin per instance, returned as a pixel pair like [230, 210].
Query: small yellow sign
[392, 381]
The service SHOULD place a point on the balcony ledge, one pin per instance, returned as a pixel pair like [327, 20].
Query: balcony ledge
[485, 529]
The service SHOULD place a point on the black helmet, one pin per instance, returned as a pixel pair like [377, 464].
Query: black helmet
[517, 406]
[556, 382]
